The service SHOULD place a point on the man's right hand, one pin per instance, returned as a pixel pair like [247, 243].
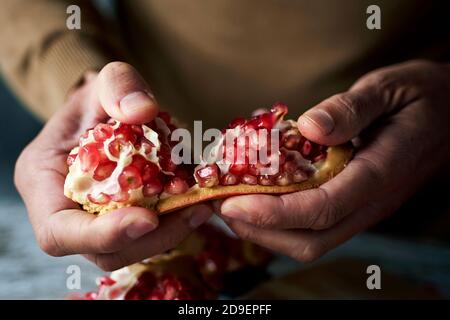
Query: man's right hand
[118, 238]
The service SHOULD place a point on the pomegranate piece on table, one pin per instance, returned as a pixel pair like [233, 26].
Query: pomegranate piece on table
[201, 267]
[118, 165]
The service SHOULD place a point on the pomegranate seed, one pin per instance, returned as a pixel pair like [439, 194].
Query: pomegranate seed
[176, 186]
[265, 180]
[229, 179]
[139, 162]
[122, 196]
[319, 157]
[89, 157]
[152, 188]
[106, 281]
[238, 169]
[299, 176]
[208, 176]
[306, 149]
[137, 130]
[165, 160]
[279, 110]
[90, 296]
[116, 146]
[236, 122]
[164, 116]
[254, 169]
[71, 159]
[146, 145]
[104, 170]
[290, 166]
[249, 179]
[283, 179]
[101, 198]
[130, 178]
[149, 172]
[292, 141]
[125, 133]
[102, 132]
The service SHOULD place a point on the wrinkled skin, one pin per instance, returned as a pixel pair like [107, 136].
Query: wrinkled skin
[115, 239]
[399, 116]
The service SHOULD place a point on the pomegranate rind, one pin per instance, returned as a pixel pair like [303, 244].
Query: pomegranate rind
[336, 160]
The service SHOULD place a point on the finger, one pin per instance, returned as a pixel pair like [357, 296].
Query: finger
[125, 95]
[309, 245]
[172, 230]
[318, 208]
[75, 231]
[343, 116]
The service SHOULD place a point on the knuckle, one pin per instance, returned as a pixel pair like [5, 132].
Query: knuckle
[245, 233]
[48, 244]
[350, 105]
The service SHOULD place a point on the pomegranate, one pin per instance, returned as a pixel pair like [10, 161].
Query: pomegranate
[119, 164]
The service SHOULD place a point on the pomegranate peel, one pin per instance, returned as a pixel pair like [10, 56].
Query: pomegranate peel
[337, 158]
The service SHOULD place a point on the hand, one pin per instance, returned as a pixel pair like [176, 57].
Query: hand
[401, 116]
[115, 239]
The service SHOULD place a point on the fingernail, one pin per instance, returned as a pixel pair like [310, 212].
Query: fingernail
[199, 216]
[138, 227]
[136, 102]
[321, 119]
[234, 211]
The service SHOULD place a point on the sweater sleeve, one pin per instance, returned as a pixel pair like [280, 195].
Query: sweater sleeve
[41, 58]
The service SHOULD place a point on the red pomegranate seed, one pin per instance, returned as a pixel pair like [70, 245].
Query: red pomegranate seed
[254, 169]
[319, 157]
[146, 145]
[90, 296]
[236, 122]
[283, 179]
[292, 141]
[101, 198]
[125, 133]
[208, 176]
[122, 196]
[249, 179]
[165, 160]
[265, 180]
[139, 162]
[71, 159]
[306, 149]
[106, 281]
[299, 176]
[229, 179]
[176, 186]
[152, 188]
[89, 157]
[149, 172]
[164, 116]
[279, 110]
[238, 169]
[102, 132]
[290, 166]
[104, 170]
[137, 130]
[116, 146]
[130, 178]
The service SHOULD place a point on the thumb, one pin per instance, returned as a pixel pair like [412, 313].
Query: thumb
[125, 95]
[343, 116]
